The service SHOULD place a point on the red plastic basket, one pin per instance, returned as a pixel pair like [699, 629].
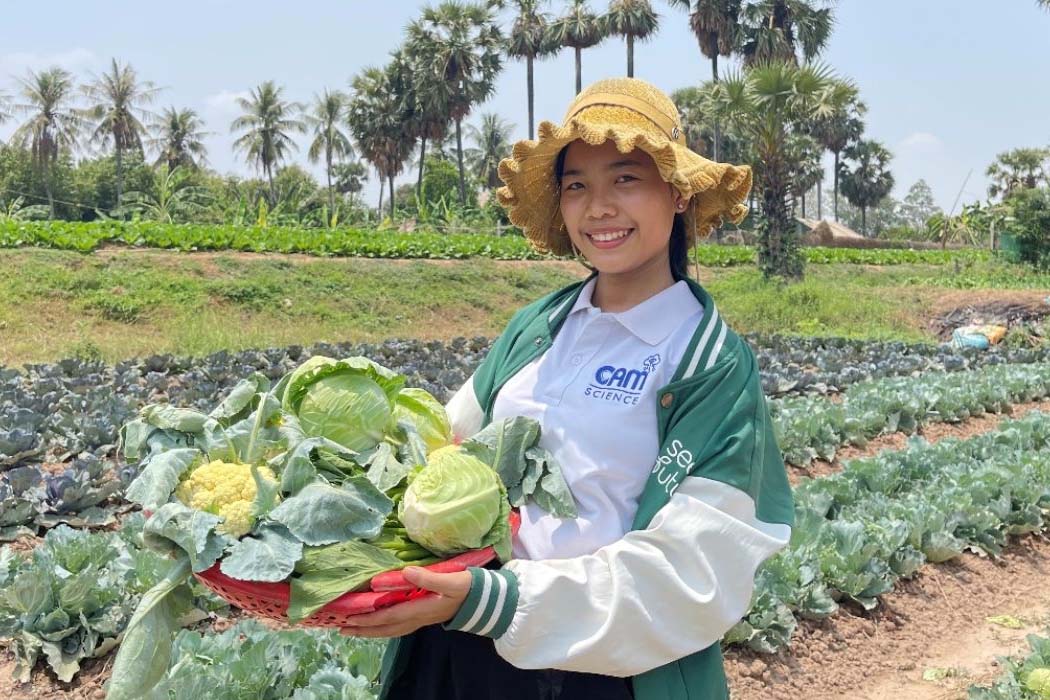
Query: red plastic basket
[270, 600]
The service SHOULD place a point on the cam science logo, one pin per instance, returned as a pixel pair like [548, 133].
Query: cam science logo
[621, 384]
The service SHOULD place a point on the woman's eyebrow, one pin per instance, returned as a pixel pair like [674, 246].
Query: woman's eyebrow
[626, 162]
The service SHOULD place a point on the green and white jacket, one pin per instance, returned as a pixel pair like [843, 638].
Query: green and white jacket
[653, 605]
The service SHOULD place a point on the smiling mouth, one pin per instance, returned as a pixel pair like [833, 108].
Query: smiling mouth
[610, 236]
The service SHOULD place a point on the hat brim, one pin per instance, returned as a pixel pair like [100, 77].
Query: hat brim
[717, 191]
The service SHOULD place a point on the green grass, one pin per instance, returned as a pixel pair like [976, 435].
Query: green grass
[123, 303]
[114, 306]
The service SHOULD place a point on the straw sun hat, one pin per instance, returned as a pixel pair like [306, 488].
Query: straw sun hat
[635, 114]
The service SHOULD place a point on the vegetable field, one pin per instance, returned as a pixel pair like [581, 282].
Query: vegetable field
[370, 243]
[872, 531]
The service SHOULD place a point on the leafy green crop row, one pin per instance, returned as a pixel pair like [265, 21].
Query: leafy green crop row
[85, 237]
[1026, 679]
[880, 519]
[251, 662]
[73, 596]
[811, 427]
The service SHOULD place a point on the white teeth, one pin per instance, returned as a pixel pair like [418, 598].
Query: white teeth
[612, 236]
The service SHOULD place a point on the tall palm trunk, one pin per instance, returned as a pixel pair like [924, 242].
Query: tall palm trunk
[820, 211]
[120, 174]
[778, 248]
[864, 221]
[382, 188]
[273, 192]
[459, 157]
[630, 55]
[391, 178]
[422, 156]
[717, 154]
[532, 95]
[835, 196]
[47, 188]
[331, 192]
[804, 205]
[579, 71]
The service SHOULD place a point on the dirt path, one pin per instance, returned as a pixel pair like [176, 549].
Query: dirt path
[932, 432]
[937, 621]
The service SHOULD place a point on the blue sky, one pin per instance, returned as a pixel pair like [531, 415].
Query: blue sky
[948, 83]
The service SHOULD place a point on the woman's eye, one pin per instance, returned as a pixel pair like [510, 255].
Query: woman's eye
[629, 177]
[570, 185]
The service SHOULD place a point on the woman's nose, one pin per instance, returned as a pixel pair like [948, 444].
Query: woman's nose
[600, 206]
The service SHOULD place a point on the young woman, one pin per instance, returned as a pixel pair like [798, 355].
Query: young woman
[654, 411]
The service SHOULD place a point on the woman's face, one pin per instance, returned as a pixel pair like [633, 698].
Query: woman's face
[617, 209]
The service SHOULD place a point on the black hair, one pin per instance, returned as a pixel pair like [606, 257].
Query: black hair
[678, 253]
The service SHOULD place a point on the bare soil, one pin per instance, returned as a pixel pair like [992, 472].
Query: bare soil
[932, 432]
[938, 621]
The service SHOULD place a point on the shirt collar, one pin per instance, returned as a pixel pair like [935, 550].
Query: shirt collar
[653, 319]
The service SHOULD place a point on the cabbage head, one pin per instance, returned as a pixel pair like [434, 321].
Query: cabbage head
[350, 402]
[426, 413]
[457, 503]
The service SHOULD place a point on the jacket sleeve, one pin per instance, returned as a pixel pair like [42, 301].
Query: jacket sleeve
[659, 593]
[464, 411]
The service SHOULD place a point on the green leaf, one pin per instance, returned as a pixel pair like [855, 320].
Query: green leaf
[146, 650]
[176, 527]
[240, 397]
[321, 513]
[168, 417]
[266, 494]
[384, 469]
[158, 479]
[268, 555]
[325, 573]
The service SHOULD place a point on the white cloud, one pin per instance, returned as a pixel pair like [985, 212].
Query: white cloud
[224, 104]
[921, 140]
[78, 61]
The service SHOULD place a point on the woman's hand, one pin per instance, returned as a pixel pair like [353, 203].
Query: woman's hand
[404, 618]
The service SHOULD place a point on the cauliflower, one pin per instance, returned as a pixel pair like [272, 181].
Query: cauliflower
[225, 489]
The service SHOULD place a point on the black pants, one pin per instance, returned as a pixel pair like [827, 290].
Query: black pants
[447, 665]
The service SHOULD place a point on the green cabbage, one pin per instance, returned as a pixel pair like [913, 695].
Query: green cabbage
[350, 402]
[457, 503]
[426, 414]
[1038, 682]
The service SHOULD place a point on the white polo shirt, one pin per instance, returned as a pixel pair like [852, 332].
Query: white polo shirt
[594, 395]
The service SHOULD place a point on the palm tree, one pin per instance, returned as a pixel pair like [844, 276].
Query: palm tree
[458, 47]
[1021, 168]
[531, 38]
[579, 29]
[491, 145]
[5, 108]
[633, 19]
[378, 129]
[175, 197]
[806, 169]
[350, 178]
[267, 121]
[714, 22]
[328, 114]
[869, 180]
[841, 125]
[420, 102]
[114, 105]
[769, 102]
[179, 139]
[53, 125]
[776, 30]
